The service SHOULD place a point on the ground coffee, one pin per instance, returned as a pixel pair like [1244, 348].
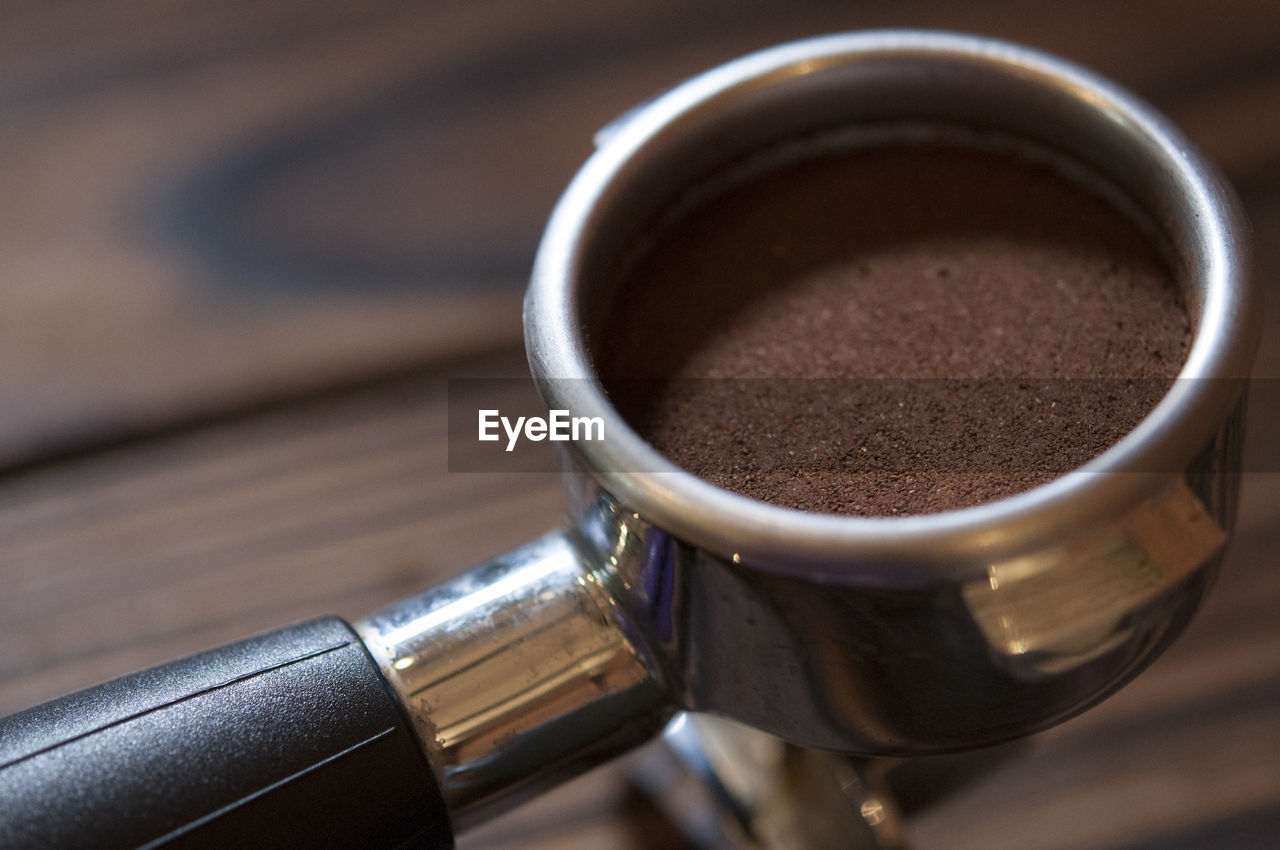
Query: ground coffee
[890, 331]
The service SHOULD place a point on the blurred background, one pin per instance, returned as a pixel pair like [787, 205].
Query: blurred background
[244, 244]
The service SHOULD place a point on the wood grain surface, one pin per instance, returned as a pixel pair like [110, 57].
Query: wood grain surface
[243, 246]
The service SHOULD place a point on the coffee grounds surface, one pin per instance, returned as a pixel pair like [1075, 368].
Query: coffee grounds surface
[891, 331]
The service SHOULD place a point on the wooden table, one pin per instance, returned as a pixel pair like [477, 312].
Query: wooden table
[244, 245]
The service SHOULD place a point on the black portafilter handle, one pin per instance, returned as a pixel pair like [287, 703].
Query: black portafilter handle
[290, 739]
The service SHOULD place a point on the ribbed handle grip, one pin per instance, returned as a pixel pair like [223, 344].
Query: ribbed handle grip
[291, 739]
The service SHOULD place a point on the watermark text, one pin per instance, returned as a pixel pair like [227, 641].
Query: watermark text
[558, 426]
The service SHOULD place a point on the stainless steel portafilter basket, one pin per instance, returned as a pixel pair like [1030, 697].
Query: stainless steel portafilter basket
[662, 593]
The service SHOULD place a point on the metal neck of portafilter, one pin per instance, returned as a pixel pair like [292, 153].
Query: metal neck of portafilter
[519, 674]
[873, 635]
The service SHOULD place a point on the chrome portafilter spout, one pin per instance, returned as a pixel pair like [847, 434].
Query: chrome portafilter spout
[726, 786]
[662, 593]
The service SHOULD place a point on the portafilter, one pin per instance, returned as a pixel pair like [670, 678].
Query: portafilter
[662, 593]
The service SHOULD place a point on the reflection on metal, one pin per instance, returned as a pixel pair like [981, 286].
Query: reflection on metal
[729, 787]
[1051, 611]
[516, 673]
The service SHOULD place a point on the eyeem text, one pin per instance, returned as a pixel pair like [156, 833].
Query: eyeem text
[558, 426]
